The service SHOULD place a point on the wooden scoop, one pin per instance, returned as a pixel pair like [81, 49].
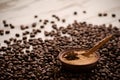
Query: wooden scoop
[97, 46]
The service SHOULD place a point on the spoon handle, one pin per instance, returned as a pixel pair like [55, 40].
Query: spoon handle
[98, 45]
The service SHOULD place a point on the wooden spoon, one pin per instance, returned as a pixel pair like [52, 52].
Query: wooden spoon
[97, 46]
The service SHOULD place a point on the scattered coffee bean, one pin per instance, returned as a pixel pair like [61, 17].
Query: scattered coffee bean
[11, 26]
[100, 14]
[84, 12]
[40, 20]
[35, 16]
[63, 20]
[52, 22]
[22, 27]
[24, 38]
[113, 15]
[17, 35]
[41, 26]
[38, 30]
[7, 32]
[32, 35]
[104, 14]
[75, 13]
[6, 25]
[119, 20]
[1, 32]
[56, 17]
[4, 22]
[34, 25]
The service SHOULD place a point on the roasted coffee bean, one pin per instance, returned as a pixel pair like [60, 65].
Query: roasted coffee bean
[40, 20]
[84, 12]
[63, 20]
[46, 33]
[7, 32]
[34, 25]
[35, 16]
[17, 35]
[32, 35]
[26, 27]
[56, 17]
[54, 26]
[119, 20]
[22, 27]
[113, 15]
[105, 14]
[75, 13]
[38, 30]
[24, 38]
[52, 22]
[100, 14]
[11, 26]
[1, 32]
[41, 26]
[6, 25]
[4, 21]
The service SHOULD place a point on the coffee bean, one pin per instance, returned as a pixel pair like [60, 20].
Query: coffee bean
[34, 25]
[7, 32]
[6, 25]
[84, 12]
[24, 38]
[11, 26]
[32, 35]
[17, 35]
[113, 15]
[52, 22]
[100, 14]
[56, 17]
[22, 27]
[119, 20]
[63, 20]
[41, 26]
[40, 20]
[105, 14]
[4, 21]
[1, 32]
[35, 16]
[75, 13]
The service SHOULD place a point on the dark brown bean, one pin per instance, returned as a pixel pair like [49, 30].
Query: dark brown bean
[6, 25]
[11, 26]
[35, 16]
[105, 14]
[41, 26]
[119, 20]
[40, 20]
[113, 15]
[4, 22]
[17, 35]
[34, 25]
[32, 35]
[84, 12]
[7, 32]
[63, 20]
[100, 14]
[52, 22]
[75, 13]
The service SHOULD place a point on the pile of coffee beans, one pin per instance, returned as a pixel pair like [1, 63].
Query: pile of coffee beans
[37, 59]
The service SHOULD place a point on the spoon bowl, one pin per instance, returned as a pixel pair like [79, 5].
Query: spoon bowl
[77, 65]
